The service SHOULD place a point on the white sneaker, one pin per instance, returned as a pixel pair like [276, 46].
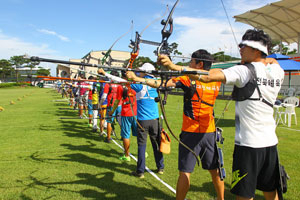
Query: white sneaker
[102, 133]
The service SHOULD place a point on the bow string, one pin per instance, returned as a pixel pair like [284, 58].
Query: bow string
[163, 48]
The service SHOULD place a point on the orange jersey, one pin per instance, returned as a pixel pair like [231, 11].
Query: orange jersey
[198, 107]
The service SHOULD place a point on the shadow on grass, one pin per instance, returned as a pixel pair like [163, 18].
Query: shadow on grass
[209, 189]
[63, 103]
[106, 187]
[93, 155]
[67, 113]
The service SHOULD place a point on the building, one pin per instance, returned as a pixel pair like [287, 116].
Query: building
[28, 70]
[116, 59]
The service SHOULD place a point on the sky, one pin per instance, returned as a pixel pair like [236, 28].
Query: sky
[70, 29]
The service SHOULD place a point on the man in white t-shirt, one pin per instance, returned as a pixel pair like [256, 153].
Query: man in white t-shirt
[256, 86]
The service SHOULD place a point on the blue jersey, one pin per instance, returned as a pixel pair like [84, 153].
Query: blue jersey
[147, 108]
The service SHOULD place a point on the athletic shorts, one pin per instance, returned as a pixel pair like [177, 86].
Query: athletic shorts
[128, 123]
[83, 99]
[103, 112]
[254, 168]
[95, 106]
[204, 145]
[116, 113]
[90, 107]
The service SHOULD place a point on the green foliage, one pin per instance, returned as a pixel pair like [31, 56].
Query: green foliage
[5, 85]
[18, 61]
[275, 48]
[5, 68]
[183, 63]
[222, 57]
[43, 72]
[173, 49]
[139, 61]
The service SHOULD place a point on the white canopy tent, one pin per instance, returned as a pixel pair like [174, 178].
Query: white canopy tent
[281, 20]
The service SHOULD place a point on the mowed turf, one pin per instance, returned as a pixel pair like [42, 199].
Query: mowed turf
[45, 157]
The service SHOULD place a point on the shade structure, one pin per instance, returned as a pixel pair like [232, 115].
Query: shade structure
[224, 65]
[286, 64]
[281, 20]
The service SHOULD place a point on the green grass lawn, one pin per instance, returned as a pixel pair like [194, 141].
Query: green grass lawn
[44, 157]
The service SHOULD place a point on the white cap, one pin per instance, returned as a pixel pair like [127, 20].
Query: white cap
[147, 67]
[256, 45]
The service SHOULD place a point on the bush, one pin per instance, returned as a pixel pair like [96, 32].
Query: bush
[4, 85]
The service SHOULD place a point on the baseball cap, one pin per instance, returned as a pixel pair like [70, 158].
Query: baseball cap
[147, 67]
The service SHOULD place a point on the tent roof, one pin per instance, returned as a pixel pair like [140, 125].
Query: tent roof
[285, 62]
[278, 56]
[289, 65]
[281, 20]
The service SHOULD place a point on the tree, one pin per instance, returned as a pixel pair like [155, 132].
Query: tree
[43, 72]
[275, 48]
[17, 61]
[31, 65]
[5, 68]
[172, 49]
[222, 57]
[139, 61]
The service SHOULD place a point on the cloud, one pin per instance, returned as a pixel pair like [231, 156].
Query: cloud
[12, 46]
[241, 6]
[48, 32]
[205, 33]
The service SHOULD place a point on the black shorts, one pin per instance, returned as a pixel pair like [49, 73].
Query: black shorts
[254, 168]
[204, 145]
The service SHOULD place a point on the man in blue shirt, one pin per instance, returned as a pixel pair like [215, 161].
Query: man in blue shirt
[148, 117]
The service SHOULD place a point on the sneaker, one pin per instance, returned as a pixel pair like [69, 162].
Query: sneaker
[94, 130]
[139, 175]
[160, 171]
[102, 133]
[113, 133]
[108, 140]
[125, 158]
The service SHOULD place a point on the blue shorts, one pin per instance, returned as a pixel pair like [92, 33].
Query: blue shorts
[128, 123]
[90, 107]
[116, 113]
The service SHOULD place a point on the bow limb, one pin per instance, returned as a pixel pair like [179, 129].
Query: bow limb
[166, 32]
[155, 20]
[135, 45]
[223, 112]
[106, 55]
[163, 49]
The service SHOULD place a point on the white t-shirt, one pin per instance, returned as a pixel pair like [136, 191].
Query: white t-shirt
[254, 123]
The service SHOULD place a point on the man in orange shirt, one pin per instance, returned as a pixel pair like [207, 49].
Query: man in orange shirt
[198, 126]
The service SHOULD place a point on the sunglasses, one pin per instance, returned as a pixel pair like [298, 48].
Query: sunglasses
[242, 46]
